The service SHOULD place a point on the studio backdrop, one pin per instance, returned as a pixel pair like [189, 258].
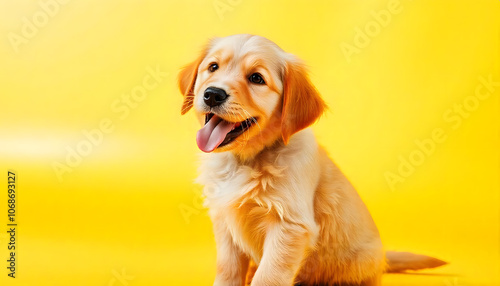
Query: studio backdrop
[97, 165]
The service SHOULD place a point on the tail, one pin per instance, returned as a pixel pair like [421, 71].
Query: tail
[401, 261]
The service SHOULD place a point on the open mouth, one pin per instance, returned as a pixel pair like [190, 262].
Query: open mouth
[218, 132]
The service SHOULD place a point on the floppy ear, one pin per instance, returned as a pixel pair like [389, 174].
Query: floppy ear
[302, 104]
[187, 78]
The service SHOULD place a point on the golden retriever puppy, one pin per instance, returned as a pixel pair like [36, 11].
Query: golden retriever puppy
[274, 196]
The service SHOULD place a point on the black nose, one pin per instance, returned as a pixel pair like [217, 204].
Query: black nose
[214, 96]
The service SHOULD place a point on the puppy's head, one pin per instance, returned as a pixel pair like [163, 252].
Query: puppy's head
[248, 94]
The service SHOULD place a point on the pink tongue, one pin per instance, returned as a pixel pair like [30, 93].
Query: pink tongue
[213, 133]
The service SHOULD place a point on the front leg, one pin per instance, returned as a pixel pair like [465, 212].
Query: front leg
[232, 263]
[284, 249]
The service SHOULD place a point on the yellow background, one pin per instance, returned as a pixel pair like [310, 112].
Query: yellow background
[119, 211]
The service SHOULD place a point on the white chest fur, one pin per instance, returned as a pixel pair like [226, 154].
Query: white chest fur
[248, 196]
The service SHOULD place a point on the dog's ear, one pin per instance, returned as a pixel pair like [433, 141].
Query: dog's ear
[302, 104]
[187, 79]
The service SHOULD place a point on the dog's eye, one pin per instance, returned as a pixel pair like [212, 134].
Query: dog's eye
[256, 78]
[213, 67]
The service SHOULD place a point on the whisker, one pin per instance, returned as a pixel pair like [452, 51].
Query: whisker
[186, 108]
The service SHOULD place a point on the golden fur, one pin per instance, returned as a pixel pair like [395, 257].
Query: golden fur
[277, 202]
